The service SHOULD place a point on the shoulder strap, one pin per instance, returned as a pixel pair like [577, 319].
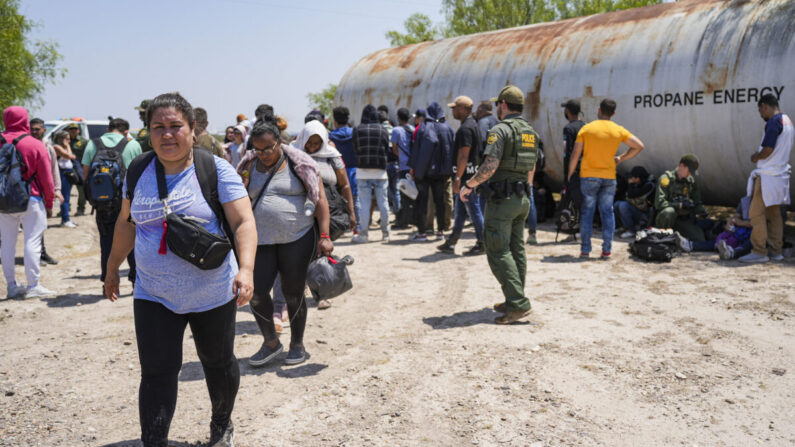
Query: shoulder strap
[272, 173]
[207, 174]
[136, 169]
[120, 146]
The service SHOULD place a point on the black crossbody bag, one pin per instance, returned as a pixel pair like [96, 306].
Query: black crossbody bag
[186, 237]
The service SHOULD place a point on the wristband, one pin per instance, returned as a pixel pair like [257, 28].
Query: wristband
[325, 236]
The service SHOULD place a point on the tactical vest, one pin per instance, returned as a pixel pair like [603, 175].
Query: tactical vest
[519, 156]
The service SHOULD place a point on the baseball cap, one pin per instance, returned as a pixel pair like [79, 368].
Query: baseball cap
[144, 105]
[691, 161]
[510, 94]
[572, 105]
[72, 126]
[461, 101]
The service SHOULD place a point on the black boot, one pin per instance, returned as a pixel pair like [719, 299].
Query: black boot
[477, 249]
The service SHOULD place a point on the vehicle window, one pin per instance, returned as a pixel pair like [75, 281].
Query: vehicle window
[96, 130]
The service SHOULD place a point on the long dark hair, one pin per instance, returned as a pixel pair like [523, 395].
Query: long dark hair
[175, 100]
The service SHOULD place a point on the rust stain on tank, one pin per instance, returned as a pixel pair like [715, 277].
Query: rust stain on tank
[714, 78]
[588, 93]
[533, 99]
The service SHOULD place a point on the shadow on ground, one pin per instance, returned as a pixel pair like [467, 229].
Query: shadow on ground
[73, 299]
[137, 443]
[193, 371]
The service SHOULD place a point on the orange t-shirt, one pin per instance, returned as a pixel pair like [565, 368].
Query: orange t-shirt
[601, 139]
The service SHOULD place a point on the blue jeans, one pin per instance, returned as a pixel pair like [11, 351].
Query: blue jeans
[366, 190]
[597, 192]
[354, 192]
[462, 209]
[532, 216]
[394, 196]
[629, 215]
[66, 190]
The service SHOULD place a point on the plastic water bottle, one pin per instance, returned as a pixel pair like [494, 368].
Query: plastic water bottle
[309, 208]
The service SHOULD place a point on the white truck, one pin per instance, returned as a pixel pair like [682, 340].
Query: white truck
[89, 129]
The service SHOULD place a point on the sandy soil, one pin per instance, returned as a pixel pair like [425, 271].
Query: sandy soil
[696, 352]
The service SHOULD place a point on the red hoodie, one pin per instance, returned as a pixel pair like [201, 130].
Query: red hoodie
[33, 152]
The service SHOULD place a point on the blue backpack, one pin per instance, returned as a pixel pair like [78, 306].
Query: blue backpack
[105, 175]
[14, 190]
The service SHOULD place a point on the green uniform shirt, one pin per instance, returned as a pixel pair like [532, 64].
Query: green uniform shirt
[499, 137]
[111, 139]
[673, 191]
[79, 147]
[143, 140]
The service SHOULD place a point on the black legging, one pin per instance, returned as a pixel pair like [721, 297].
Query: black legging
[291, 261]
[160, 332]
[436, 186]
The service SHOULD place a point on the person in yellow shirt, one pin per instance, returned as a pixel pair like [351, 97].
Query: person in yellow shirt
[598, 143]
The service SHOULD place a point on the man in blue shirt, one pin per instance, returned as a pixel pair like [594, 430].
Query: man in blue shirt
[401, 147]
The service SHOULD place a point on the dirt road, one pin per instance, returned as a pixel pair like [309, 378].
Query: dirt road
[696, 352]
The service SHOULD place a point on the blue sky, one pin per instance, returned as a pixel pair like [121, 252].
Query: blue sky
[227, 56]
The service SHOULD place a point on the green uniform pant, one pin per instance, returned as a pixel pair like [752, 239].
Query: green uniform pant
[504, 237]
[81, 199]
[668, 218]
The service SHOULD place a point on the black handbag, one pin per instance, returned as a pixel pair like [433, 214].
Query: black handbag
[339, 220]
[186, 237]
[73, 177]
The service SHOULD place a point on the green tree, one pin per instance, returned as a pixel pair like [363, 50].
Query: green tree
[419, 28]
[25, 66]
[566, 9]
[323, 99]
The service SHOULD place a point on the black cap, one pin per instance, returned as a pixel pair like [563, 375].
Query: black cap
[572, 106]
[639, 172]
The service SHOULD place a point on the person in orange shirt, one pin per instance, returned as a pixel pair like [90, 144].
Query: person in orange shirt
[598, 143]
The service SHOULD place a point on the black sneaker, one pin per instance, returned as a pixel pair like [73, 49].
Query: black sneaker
[265, 354]
[47, 259]
[446, 248]
[221, 436]
[295, 356]
[476, 249]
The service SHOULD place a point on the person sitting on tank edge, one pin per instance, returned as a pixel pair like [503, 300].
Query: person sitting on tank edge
[678, 200]
[635, 211]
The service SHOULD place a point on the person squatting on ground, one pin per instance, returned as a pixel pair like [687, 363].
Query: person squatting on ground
[37, 131]
[768, 184]
[678, 200]
[371, 145]
[598, 142]
[636, 210]
[506, 174]
[112, 145]
[431, 164]
[172, 293]
[34, 219]
[66, 165]
[466, 156]
[284, 186]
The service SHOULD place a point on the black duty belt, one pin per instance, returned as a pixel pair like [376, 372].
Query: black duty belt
[504, 189]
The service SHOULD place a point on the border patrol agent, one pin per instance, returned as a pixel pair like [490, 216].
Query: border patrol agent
[78, 147]
[678, 200]
[505, 176]
[143, 134]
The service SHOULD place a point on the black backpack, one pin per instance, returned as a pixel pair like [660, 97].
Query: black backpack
[567, 216]
[206, 173]
[14, 190]
[105, 176]
[654, 245]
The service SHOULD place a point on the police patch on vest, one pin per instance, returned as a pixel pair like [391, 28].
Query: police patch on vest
[528, 140]
[492, 138]
[665, 181]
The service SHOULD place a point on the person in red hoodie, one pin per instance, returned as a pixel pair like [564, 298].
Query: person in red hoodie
[34, 219]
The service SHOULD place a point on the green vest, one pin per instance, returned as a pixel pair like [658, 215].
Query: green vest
[520, 155]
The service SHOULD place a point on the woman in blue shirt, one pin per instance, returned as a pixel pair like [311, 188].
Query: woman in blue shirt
[171, 293]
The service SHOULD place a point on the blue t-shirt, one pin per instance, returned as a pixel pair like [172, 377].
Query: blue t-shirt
[168, 279]
[402, 137]
[773, 129]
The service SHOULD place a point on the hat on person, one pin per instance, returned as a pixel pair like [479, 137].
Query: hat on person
[510, 94]
[144, 105]
[691, 161]
[72, 126]
[241, 117]
[639, 172]
[465, 101]
[572, 106]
